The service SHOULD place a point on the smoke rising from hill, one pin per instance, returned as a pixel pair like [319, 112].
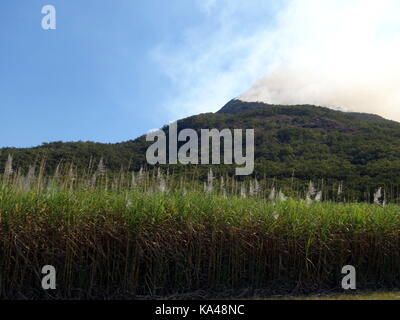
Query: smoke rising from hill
[335, 53]
[332, 53]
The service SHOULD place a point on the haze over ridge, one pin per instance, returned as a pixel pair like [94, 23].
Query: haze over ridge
[341, 54]
[332, 53]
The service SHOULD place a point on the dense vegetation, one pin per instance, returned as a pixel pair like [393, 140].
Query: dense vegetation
[298, 143]
[116, 228]
[123, 238]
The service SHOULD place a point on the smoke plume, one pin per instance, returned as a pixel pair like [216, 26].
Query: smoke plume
[335, 53]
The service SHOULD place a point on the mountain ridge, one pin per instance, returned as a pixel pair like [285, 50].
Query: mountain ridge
[304, 141]
[236, 106]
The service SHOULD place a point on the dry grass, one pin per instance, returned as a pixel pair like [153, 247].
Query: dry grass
[364, 296]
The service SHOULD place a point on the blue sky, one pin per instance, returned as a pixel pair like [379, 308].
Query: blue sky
[116, 69]
[113, 70]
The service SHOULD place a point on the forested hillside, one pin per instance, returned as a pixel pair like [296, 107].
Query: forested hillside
[292, 142]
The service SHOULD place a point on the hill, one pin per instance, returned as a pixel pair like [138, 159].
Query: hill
[300, 142]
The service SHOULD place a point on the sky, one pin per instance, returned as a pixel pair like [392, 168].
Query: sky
[114, 70]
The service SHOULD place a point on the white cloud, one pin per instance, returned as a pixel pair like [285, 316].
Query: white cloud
[333, 52]
[219, 59]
